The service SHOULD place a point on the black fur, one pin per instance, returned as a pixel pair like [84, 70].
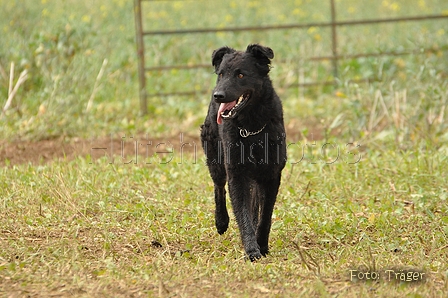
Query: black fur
[251, 165]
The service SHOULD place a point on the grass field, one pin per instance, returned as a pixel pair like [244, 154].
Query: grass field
[364, 194]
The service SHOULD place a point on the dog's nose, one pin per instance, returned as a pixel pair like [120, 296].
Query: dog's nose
[219, 95]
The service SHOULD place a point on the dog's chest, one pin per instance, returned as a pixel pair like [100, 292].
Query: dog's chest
[262, 151]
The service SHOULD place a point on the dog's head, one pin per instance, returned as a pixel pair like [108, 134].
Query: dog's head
[240, 78]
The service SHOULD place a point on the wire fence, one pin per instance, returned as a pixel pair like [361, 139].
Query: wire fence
[335, 56]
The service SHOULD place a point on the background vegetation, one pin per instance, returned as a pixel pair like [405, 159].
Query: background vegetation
[86, 227]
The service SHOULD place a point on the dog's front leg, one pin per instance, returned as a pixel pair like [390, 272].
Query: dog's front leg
[269, 195]
[221, 215]
[239, 190]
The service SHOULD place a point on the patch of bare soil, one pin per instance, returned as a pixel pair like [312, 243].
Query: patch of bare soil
[118, 146]
[19, 152]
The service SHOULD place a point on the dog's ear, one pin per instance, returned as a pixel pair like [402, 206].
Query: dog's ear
[263, 54]
[218, 54]
[260, 51]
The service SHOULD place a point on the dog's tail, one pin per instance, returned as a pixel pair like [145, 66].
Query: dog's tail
[255, 194]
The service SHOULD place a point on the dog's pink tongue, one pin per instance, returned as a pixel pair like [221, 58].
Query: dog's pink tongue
[223, 107]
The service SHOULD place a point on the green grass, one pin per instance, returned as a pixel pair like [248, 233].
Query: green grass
[92, 229]
[84, 227]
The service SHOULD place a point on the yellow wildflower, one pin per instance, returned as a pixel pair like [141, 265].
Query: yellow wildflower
[86, 19]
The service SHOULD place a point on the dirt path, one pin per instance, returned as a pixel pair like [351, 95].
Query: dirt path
[118, 146]
[19, 152]
[44, 151]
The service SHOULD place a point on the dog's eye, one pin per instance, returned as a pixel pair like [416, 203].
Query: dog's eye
[240, 76]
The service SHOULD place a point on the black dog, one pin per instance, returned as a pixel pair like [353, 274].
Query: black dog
[243, 137]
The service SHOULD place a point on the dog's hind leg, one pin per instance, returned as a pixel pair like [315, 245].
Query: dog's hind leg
[268, 192]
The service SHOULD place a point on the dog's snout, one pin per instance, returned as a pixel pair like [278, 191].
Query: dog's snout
[219, 95]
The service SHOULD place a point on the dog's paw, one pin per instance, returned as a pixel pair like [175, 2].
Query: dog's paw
[222, 225]
[221, 229]
[253, 256]
[264, 250]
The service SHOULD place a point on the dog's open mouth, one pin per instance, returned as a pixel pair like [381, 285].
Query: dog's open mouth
[228, 110]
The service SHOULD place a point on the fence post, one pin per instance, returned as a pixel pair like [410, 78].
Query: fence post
[141, 56]
[334, 43]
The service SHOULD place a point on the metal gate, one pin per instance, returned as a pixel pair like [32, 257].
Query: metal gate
[143, 70]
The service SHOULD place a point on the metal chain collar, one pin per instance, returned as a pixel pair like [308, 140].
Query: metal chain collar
[245, 133]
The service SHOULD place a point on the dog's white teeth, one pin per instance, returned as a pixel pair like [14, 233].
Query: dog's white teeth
[240, 99]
